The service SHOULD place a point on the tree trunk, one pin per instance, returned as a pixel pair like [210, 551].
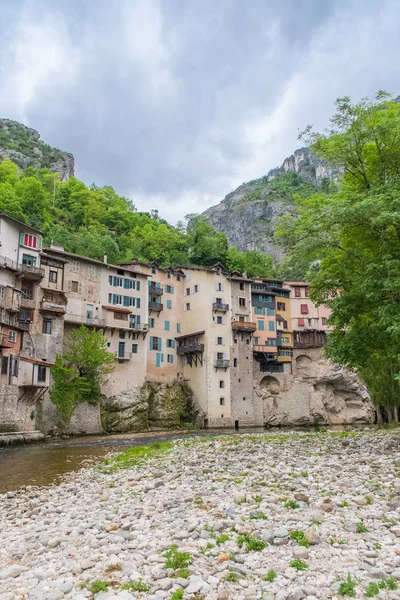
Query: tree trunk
[379, 419]
[396, 414]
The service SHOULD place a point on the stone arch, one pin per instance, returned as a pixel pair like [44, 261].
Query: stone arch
[303, 364]
[271, 384]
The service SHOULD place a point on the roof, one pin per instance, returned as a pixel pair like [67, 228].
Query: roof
[120, 309]
[181, 337]
[37, 361]
[237, 278]
[297, 283]
[91, 260]
[5, 216]
[62, 260]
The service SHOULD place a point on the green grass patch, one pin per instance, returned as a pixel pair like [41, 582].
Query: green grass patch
[348, 587]
[299, 537]
[136, 586]
[98, 586]
[177, 559]
[177, 595]
[361, 528]
[271, 576]
[290, 504]
[231, 576]
[258, 515]
[299, 565]
[135, 455]
[251, 543]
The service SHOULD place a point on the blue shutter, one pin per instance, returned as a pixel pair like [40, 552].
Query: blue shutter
[127, 284]
[162, 357]
[110, 298]
[178, 328]
[261, 325]
[271, 326]
[158, 359]
[172, 289]
[126, 301]
[151, 342]
[169, 303]
[160, 343]
[137, 286]
[172, 343]
[166, 325]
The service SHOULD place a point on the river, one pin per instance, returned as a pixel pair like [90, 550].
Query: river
[45, 463]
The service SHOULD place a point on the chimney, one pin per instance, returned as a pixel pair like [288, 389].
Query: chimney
[57, 247]
[245, 274]
[134, 260]
[105, 259]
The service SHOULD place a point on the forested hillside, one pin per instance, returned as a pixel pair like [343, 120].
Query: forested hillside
[96, 221]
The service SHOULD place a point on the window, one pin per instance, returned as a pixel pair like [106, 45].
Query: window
[4, 365]
[270, 312]
[307, 292]
[120, 316]
[187, 291]
[178, 277]
[75, 266]
[169, 275]
[74, 286]
[271, 342]
[297, 292]
[115, 298]
[235, 362]
[242, 301]
[304, 309]
[153, 270]
[12, 336]
[170, 343]
[122, 335]
[309, 322]
[241, 287]
[151, 322]
[178, 328]
[134, 348]
[169, 303]
[166, 325]
[219, 287]
[256, 341]
[42, 371]
[300, 322]
[188, 306]
[222, 401]
[220, 356]
[53, 276]
[324, 320]
[258, 310]
[196, 288]
[155, 343]
[271, 326]
[222, 383]
[281, 306]
[285, 325]
[92, 270]
[46, 327]
[28, 260]
[30, 240]
[15, 368]
[219, 341]
[169, 289]
[260, 325]
[170, 358]
[219, 321]
[2, 288]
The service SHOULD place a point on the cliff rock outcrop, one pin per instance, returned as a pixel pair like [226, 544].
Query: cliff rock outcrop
[318, 392]
[249, 215]
[23, 145]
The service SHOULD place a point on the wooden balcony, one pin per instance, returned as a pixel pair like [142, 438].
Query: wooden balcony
[123, 356]
[155, 291]
[30, 272]
[82, 320]
[55, 307]
[309, 339]
[221, 364]
[138, 326]
[220, 306]
[157, 306]
[244, 326]
[193, 348]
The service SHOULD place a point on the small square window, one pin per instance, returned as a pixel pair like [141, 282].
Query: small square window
[53, 276]
[46, 326]
[222, 401]
[222, 383]
[134, 348]
[42, 374]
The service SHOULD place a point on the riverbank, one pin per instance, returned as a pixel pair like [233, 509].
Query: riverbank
[289, 516]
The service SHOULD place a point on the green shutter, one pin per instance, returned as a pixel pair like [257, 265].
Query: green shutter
[138, 286]
[137, 302]
[151, 342]
[178, 328]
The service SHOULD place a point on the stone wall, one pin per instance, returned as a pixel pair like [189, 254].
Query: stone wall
[317, 392]
[15, 414]
[85, 420]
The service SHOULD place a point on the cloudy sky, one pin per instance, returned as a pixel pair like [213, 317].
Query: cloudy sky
[176, 102]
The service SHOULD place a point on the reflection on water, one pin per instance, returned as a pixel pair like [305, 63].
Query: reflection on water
[43, 464]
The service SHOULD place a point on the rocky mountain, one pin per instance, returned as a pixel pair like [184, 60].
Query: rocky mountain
[249, 215]
[24, 146]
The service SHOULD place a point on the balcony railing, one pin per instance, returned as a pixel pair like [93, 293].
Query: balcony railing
[155, 291]
[221, 364]
[221, 306]
[123, 355]
[139, 326]
[31, 272]
[155, 306]
[193, 348]
[58, 307]
[243, 326]
[7, 263]
[80, 319]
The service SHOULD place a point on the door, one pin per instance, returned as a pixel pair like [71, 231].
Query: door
[89, 313]
[121, 349]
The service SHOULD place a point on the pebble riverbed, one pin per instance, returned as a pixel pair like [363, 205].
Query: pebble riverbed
[260, 516]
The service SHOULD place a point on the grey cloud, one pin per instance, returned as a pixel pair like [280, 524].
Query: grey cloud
[165, 99]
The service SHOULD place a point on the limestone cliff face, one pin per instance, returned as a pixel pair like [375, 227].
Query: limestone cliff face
[317, 393]
[23, 146]
[154, 405]
[249, 215]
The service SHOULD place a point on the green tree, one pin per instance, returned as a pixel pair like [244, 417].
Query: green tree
[255, 263]
[78, 373]
[351, 243]
[207, 246]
